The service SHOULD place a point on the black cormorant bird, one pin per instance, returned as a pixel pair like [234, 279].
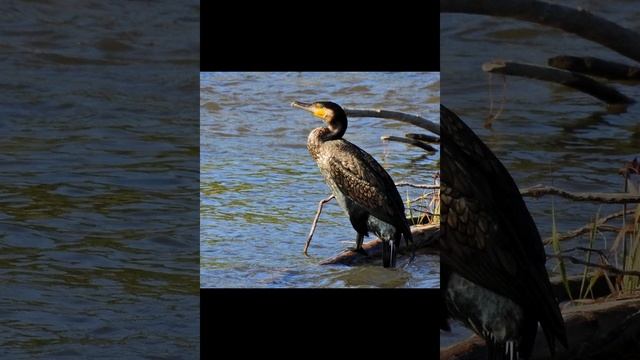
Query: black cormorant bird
[361, 186]
[493, 271]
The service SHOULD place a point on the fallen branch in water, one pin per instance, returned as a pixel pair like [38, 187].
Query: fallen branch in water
[608, 198]
[395, 115]
[596, 67]
[576, 81]
[417, 143]
[315, 222]
[422, 238]
[576, 21]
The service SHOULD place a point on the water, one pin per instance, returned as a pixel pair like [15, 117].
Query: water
[99, 164]
[547, 134]
[260, 187]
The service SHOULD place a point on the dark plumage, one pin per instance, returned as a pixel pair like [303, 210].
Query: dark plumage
[361, 186]
[493, 262]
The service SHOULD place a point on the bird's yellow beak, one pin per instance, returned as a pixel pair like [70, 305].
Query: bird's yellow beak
[317, 110]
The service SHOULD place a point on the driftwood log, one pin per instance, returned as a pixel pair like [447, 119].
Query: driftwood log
[422, 237]
[575, 21]
[592, 329]
[576, 81]
[596, 67]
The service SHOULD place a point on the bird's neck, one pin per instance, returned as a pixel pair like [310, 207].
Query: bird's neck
[319, 136]
[334, 132]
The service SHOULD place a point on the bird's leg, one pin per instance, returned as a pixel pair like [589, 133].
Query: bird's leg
[358, 248]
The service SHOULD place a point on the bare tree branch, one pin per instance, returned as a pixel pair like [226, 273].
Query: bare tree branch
[576, 81]
[606, 267]
[396, 115]
[418, 186]
[583, 230]
[608, 198]
[596, 67]
[424, 137]
[575, 21]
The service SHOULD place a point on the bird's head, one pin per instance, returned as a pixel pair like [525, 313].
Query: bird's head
[331, 113]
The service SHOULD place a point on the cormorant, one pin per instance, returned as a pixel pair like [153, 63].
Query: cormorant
[493, 271]
[362, 187]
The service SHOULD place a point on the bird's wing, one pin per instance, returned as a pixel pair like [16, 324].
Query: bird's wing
[362, 179]
[488, 235]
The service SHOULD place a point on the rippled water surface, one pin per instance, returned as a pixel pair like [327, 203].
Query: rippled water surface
[547, 134]
[98, 218]
[260, 187]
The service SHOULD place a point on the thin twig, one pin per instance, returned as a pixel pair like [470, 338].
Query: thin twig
[427, 196]
[419, 186]
[582, 248]
[315, 222]
[609, 198]
[606, 267]
[583, 230]
[416, 120]
[587, 228]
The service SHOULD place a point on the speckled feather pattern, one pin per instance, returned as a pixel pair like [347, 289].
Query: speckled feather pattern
[488, 235]
[359, 177]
